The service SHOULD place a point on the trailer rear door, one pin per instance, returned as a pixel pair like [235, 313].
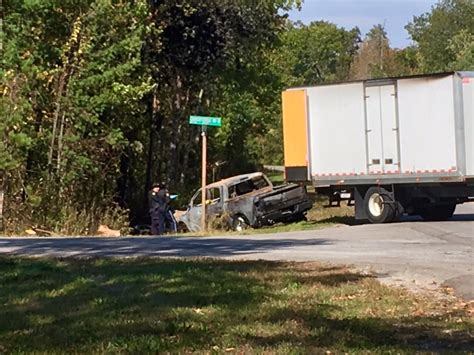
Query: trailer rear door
[382, 129]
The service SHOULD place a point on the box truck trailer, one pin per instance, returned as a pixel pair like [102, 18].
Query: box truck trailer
[391, 146]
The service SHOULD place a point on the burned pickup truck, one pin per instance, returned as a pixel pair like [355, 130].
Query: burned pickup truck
[247, 200]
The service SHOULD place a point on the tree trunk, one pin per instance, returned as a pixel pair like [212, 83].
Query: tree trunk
[123, 180]
[154, 127]
[2, 194]
[60, 142]
[68, 70]
[57, 111]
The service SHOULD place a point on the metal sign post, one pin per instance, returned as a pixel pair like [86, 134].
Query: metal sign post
[203, 178]
[204, 121]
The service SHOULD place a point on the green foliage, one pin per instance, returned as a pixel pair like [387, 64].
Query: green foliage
[444, 36]
[317, 53]
[462, 44]
[15, 125]
[72, 82]
[250, 96]
[96, 94]
[96, 97]
[211, 60]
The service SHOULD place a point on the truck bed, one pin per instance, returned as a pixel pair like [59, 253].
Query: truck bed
[284, 202]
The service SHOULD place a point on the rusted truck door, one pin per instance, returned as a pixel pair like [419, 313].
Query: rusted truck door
[214, 206]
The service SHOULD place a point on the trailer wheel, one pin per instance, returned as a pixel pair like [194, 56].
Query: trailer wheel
[239, 223]
[438, 212]
[379, 206]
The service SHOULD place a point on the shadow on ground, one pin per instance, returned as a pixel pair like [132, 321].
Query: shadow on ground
[164, 246]
[155, 305]
[351, 221]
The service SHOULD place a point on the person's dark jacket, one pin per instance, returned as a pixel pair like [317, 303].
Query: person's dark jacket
[159, 201]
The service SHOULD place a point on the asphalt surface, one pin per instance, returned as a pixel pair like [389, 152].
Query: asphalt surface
[412, 253]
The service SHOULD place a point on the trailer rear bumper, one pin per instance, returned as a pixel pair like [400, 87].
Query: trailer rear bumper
[355, 180]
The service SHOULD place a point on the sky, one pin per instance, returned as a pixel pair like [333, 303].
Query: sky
[395, 14]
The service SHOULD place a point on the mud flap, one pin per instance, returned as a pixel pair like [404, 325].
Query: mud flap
[360, 213]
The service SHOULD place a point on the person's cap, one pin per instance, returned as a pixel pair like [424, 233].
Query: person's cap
[155, 184]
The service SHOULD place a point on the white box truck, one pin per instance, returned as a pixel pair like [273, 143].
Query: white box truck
[392, 146]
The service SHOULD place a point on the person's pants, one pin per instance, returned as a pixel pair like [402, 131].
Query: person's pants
[158, 223]
[170, 221]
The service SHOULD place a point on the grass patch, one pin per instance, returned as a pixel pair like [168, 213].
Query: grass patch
[320, 213]
[276, 177]
[210, 306]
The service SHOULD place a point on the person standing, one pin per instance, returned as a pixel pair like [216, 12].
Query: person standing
[156, 205]
[169, 223]
[160, 210]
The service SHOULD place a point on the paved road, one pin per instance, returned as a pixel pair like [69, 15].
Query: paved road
[412, 253]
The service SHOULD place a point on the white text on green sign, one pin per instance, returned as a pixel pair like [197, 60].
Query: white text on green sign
[205, 121]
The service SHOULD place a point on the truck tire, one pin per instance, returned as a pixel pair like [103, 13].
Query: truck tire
[182, 227]
[239, 223]
[438, 212]
[379, 206]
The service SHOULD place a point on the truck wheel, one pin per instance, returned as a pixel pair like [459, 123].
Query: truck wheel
[438, 212]
[182, 228]
[378, 206]
[239, 223]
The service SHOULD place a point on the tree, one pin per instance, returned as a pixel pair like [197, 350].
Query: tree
[376, 59]
[74, 81]
[206, 52]
[96, 97]
[304, 54]
[444, 36]
[316, 53]
[462, 44]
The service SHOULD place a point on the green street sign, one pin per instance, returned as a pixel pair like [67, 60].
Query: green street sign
[205, 121]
